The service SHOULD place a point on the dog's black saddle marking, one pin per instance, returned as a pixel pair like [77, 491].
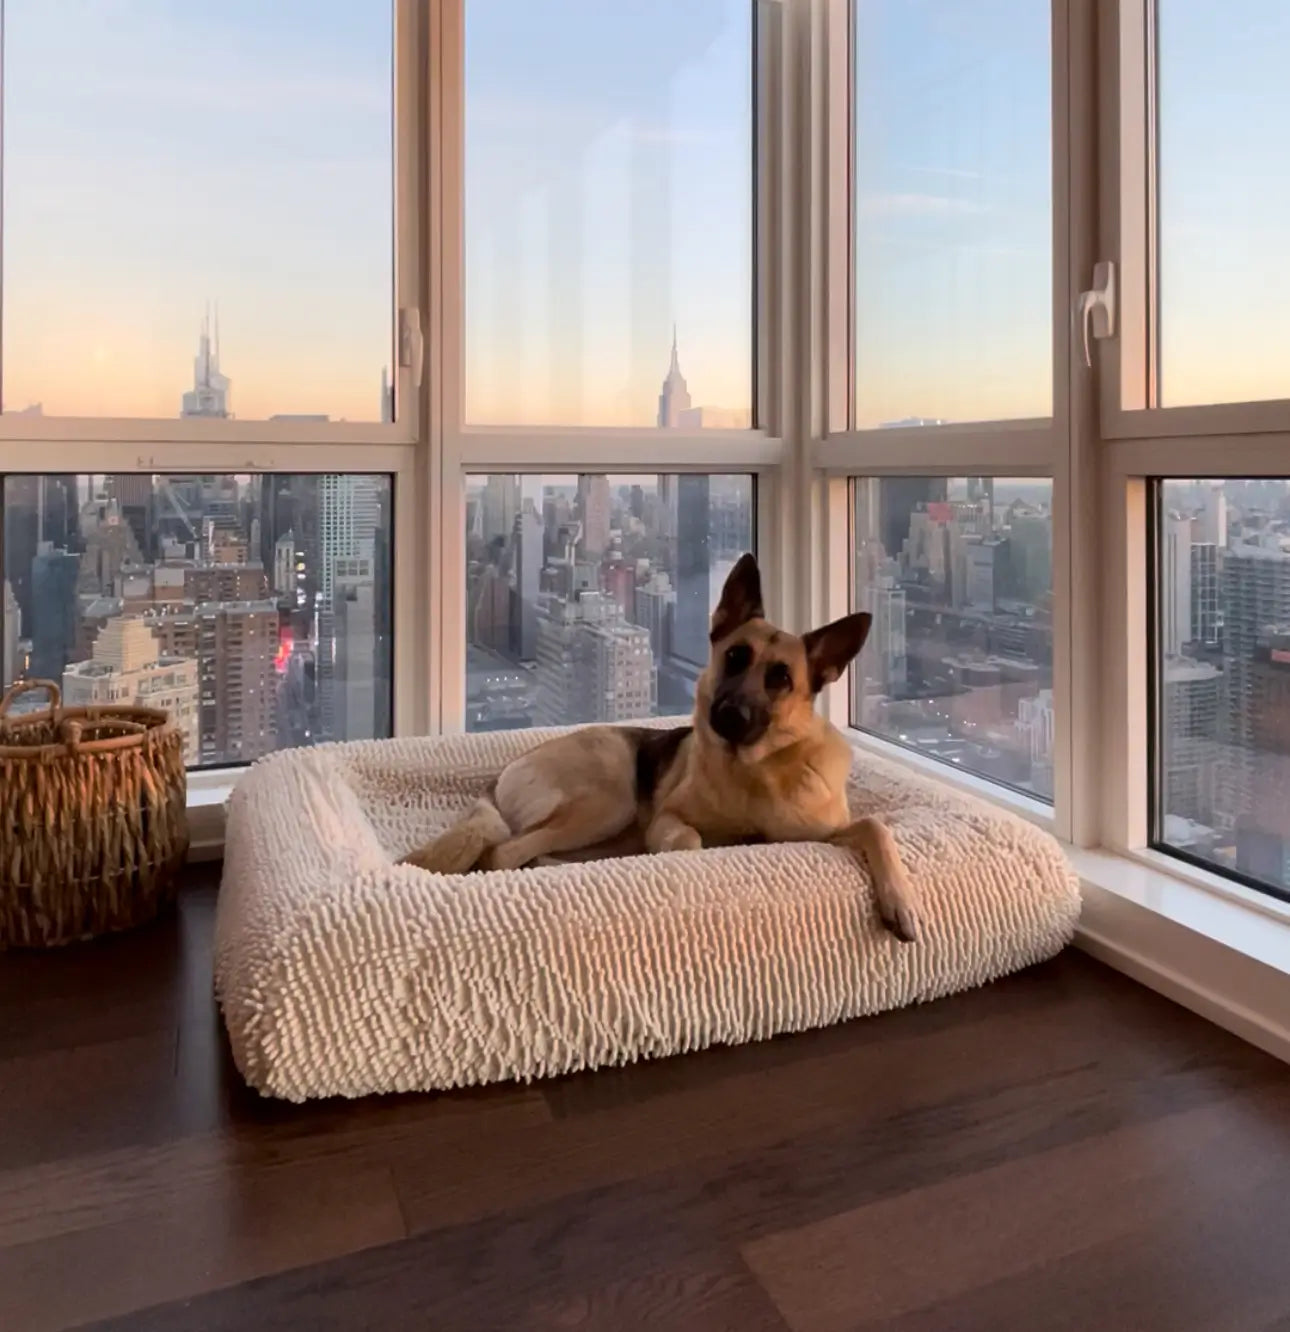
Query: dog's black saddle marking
[656, 751]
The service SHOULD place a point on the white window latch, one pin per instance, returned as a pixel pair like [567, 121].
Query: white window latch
[411, 343]
[1096, 308]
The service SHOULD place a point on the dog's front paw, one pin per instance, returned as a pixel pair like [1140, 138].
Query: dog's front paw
[683, 839]
[902, 920]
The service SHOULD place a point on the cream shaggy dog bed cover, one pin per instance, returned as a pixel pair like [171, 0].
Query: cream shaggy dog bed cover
[341, 973]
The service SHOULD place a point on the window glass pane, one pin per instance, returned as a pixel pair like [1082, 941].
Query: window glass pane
[609, 205]
[255, 609]
[198, 209]
[1224, 300]
[957, 573]
[953, 211]
[589, 597]
[1223, 676]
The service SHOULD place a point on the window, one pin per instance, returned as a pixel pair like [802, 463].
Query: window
[256, 609]
[1222, 676]
[953, 255]
[609, 213]
[589, 597]
[957, 573]
[198, 210]
[1224, 298]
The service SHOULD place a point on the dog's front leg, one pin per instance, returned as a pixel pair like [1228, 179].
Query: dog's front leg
[666, 832]
[897, 901]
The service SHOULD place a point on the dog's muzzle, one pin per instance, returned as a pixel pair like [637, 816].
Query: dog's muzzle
[737, 721]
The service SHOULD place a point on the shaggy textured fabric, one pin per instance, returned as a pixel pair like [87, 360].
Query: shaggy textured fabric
[341, 974]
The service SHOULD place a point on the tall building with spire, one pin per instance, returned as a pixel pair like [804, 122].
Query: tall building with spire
[674, 399]
[209, 395]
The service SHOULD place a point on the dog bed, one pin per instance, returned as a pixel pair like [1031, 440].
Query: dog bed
[341, 973]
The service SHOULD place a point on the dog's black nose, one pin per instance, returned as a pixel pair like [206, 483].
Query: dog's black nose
[736, 721]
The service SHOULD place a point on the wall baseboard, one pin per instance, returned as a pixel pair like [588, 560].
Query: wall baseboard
[1226, 987]
[205, 833]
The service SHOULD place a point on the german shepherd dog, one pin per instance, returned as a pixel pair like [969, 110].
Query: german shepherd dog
[756, 764]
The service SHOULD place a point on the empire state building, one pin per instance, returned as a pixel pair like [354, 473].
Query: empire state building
[674, 399]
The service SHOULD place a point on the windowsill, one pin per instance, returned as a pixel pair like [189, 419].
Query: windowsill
[1029, 808]
[1215, 947]
[1210, 944]
[207, 792]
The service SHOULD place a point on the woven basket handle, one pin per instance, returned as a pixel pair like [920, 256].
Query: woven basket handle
[70, 732]
[15, 692]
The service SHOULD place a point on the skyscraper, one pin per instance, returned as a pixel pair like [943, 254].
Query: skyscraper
[209, 395]
[10, 633]
[1206, 606]
[237, 650]
[1256, 601]
[355, 700]
[885, 659]
[653, 609]
[899, 497]
[1175, 587]
[128, 666]
[693, 613]
[110, 546]
[349, 519]
[133, 493]
[595, 509]
[526, 565]
[1191, 695]
[53, 627]
[500, 503]
[674, 398]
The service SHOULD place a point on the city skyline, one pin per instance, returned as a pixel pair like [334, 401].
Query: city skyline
[957, 574]
[256, 610]
[1223, 674]
[588, 598]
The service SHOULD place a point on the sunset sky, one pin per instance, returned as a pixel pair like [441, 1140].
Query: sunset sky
[161, 154]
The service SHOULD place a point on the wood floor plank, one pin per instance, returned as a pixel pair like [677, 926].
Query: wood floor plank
[1223, 1270]
[242, 1226]
[691, 1296]
[927, 1245]
[88, 1098]
[937, 1077]
[54, 1198]
[635, 1231]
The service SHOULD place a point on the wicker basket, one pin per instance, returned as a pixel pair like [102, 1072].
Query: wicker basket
[93, 829]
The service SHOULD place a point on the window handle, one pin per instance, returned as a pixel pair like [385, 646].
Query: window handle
[412, 352]
[1096, 308]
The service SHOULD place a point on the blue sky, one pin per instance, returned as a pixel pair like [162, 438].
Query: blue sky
[608, 195]
[1225, 200]
[160, 154]
[953, 214]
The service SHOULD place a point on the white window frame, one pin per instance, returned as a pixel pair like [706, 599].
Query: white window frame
[1143, 441]
[409, 62]
[1130, 409]
[767, 452]
[1058, 447]
[119, 444]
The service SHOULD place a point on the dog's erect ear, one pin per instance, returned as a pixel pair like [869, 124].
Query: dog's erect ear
[828, 650]
[740, 598]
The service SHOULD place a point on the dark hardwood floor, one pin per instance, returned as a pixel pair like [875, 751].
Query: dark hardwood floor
[1061, 1150]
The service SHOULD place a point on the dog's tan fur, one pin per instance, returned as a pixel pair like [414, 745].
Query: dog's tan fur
[619, 790]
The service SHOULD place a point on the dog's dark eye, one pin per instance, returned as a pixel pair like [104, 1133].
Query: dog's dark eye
[738, 659]
[778, 676]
